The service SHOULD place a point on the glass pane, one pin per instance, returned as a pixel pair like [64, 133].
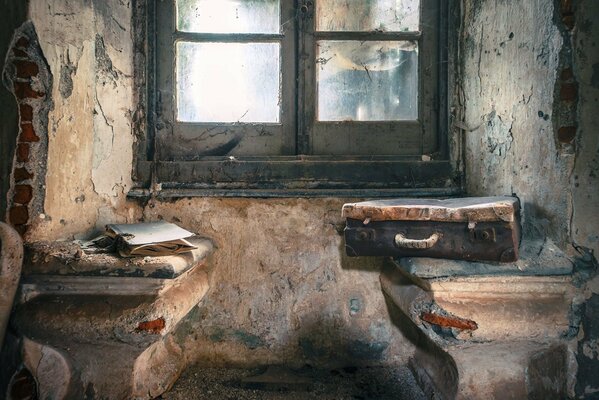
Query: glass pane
[368, 15]
[367, 80]
[228, 16]
[228, 82]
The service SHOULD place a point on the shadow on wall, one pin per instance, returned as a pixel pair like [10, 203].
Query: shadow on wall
[12, 15]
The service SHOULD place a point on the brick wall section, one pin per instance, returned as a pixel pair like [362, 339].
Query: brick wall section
[568, 87]
[29, 80]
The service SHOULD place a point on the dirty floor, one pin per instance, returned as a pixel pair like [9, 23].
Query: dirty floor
[277, 383]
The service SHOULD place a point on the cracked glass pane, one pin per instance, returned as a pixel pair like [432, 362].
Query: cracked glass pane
[367, 80]
[367, 15]
[228, 16]
[228, 82]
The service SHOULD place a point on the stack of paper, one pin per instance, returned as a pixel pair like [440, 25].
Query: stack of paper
[149, 239]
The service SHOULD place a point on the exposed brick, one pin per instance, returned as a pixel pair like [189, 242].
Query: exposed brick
[23, 152]
[21, 174]
[566, 7]
[568, 21]
[26, 113]
[567, 74]
[26, 69]
[449, 321]
[22, 229]
[28, 133]
[23, 194]
[23, 90]
[19, 53]
[568, 91]
[22, 42]
[155, 326]
[566, 134]
[18, 215]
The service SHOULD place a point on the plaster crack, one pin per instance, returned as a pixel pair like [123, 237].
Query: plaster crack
[480, 56]
[105, 119]
[119, 25]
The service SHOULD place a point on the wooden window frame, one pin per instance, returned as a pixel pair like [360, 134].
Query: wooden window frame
[291, 175]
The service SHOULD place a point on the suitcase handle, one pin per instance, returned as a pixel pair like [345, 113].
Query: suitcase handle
[418, 244]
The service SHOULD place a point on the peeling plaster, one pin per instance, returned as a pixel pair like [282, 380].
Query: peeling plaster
[514, 151]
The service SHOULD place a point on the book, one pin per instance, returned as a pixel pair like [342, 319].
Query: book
[150, 239]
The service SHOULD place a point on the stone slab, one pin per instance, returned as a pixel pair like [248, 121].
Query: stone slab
[67, 259]
[536, 259]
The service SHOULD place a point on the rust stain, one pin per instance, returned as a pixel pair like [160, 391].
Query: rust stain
[155, 326]
[449, 321]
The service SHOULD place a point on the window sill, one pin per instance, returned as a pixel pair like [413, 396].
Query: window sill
[293, 177]
[143, 194]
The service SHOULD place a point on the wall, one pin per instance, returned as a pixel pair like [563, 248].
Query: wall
[282, 287]
[13, 15]
[283, 290]
[510, 61]
[529, 83]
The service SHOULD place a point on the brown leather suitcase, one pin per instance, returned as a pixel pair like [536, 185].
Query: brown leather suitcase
[474, 228]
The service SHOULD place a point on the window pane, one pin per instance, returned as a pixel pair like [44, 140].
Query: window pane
[228, 82]
[228, 16]
[367, 80]
[353, 15]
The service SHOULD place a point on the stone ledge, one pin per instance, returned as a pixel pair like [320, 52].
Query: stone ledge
[542, 258]
[502, 307]
[67, 259]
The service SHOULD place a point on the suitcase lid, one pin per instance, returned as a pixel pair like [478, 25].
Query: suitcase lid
[468, 209]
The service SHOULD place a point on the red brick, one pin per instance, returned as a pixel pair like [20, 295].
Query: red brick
[566, 134]
[566, 7]
[155, 326]
[22, 229]
[568, 91]
[28, 133]
[567, 74]
[26, 69]
[21, 174]
[23, 152]
[568, 21]
[22, 42]
[19, 53]
[23, 194]
[18, 215]
[23, 90]
[26, 113]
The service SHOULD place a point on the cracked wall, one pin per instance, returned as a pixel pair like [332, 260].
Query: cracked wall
[90, 156]
[13, 16]
[280, 260]
[510, 60]
[283, 289]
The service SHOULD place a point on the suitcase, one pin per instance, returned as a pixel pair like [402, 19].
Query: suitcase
[474, 228]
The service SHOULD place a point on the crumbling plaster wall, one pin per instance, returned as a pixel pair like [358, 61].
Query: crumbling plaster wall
[585, 179]
[510, 58]
[87, 45]
[13, 15]
[282, 288]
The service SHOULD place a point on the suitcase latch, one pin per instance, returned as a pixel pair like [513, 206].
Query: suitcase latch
[365, 235]
[481, 234]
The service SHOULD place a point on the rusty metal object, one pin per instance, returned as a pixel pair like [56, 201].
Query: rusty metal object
[156, 326]
[447, 321]
[11, 260]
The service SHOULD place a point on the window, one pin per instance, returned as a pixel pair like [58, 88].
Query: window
[297, 96]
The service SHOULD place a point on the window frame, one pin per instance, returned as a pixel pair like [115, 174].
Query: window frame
[291, 175]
